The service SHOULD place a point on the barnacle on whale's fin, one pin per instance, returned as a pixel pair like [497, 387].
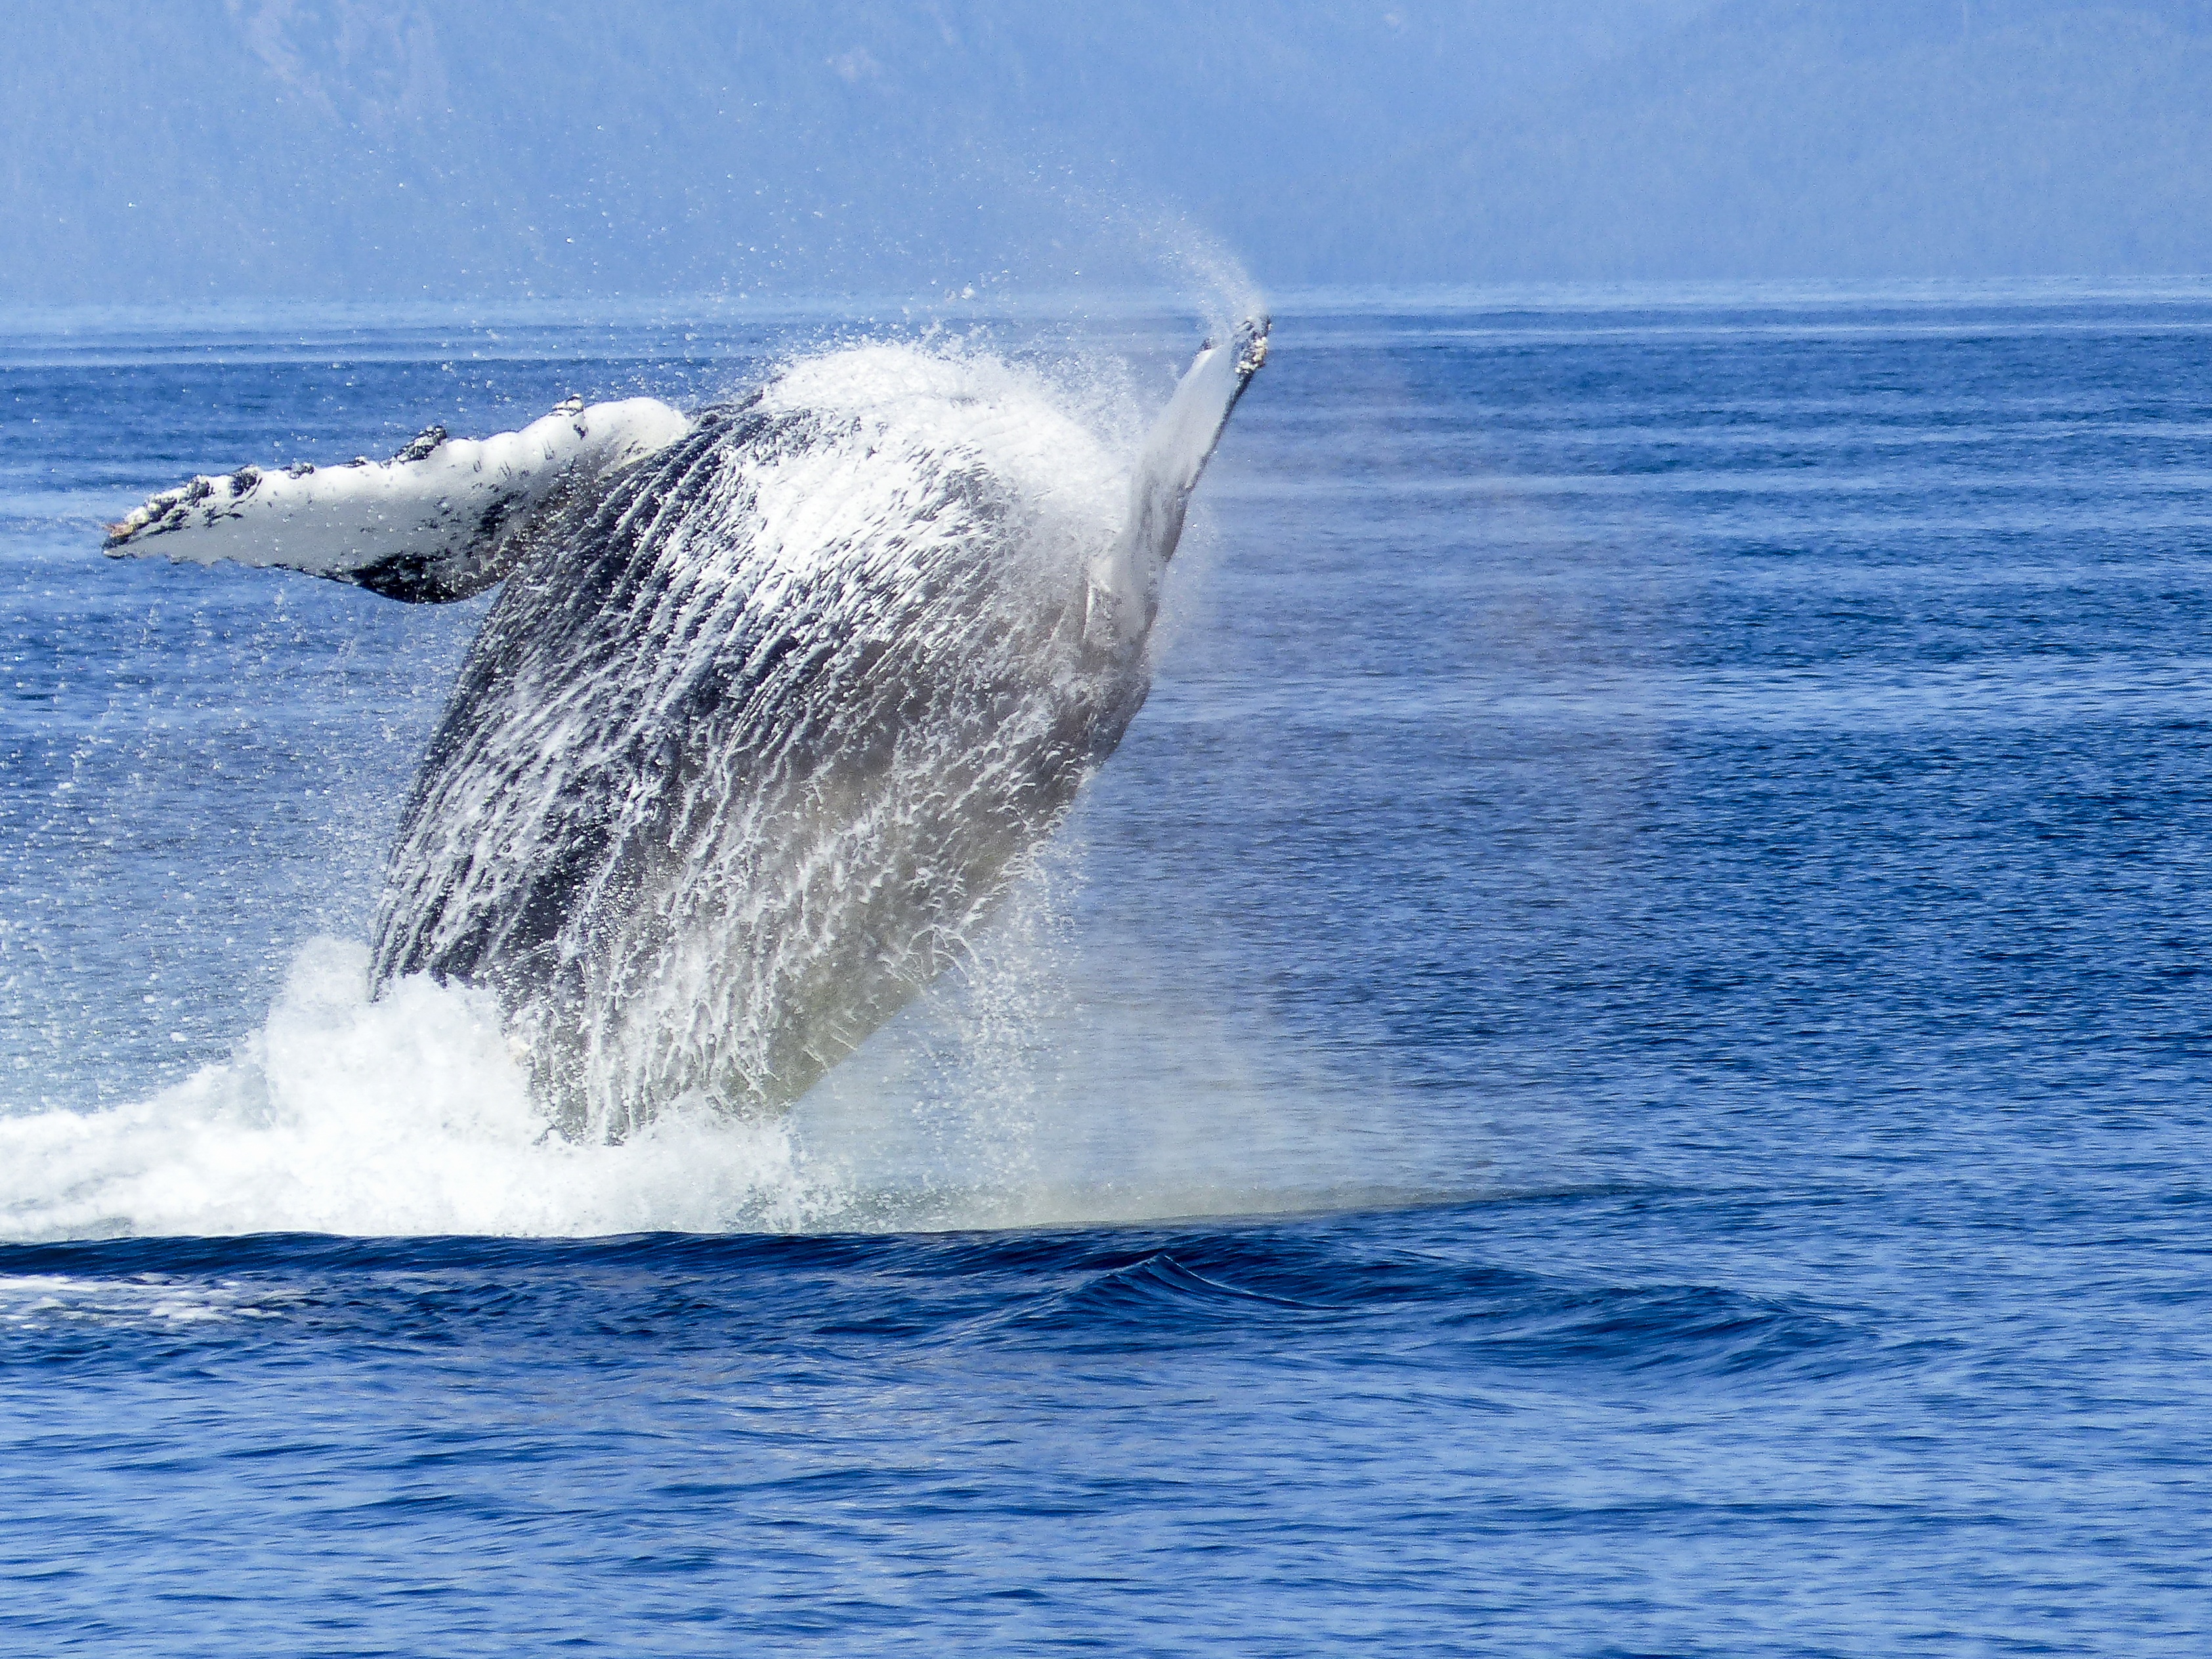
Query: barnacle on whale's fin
[441, 520]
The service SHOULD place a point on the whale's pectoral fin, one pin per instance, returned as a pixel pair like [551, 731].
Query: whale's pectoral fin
[441, 520]
[1124, 585]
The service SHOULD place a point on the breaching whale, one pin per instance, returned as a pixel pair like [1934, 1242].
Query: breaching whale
[773, 697]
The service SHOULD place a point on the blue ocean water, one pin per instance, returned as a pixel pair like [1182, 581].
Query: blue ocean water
[1619, 1064]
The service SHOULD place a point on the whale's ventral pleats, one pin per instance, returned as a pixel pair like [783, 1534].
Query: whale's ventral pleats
[773, 703]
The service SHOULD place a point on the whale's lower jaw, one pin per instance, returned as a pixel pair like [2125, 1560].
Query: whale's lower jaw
[705, 814]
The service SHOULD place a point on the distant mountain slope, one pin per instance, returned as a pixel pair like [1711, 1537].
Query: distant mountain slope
[1917, 138]
[374, 148]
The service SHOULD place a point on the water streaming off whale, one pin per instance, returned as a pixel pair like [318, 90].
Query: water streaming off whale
[774, 703]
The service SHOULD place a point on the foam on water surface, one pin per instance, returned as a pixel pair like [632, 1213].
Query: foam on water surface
[1007, 1100]
[160, 1301]
[405, 1115]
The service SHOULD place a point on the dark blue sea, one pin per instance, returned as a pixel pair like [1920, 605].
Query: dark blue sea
[1620, 1063]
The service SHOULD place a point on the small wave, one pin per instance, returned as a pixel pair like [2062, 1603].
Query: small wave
[1345, 1293]
[1158, 1298]
[161, 1301]
[1206, 1289]
[1701, 1327]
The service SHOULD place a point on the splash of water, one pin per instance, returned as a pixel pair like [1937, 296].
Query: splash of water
[1036, 1086]
[1028, 1092]
[405, 1115]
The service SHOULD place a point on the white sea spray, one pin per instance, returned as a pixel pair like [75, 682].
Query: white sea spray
[404, 1115]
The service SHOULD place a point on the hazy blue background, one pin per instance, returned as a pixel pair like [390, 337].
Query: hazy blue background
[191, 150]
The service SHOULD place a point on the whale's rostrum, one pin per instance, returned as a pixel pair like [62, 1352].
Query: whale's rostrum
[772, 701]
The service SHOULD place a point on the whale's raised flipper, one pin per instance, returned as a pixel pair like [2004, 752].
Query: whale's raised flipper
[441, 520]
[1125, 590]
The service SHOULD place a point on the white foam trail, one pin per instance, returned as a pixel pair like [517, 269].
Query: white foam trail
[404, 1116]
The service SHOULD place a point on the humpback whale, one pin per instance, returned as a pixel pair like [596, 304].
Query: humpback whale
[772, 699]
